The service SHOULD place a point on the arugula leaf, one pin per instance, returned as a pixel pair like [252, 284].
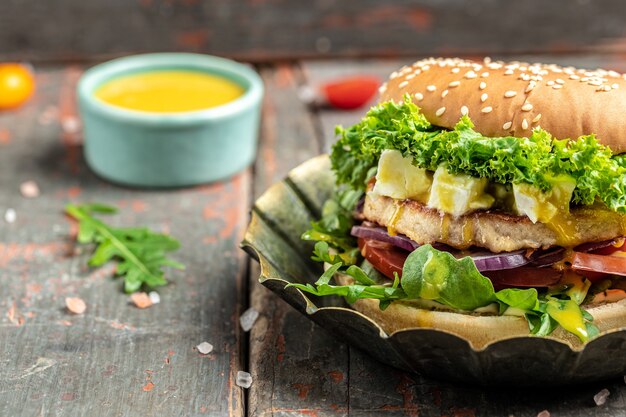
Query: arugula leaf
[141, 252]
[436, 275]
[335, 225]
[505, 160]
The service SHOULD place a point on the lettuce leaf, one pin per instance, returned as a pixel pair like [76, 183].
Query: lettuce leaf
[534, 160]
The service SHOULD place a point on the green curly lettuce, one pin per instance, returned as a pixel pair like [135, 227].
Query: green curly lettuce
[599, 175]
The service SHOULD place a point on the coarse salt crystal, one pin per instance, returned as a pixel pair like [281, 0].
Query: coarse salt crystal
[154, 297]
[10, 215]
[244, 379]
[141, 300]
[247, 319]
[601, 397]
[205, 348]
[75, 305]
[70, 124]
[29, 189]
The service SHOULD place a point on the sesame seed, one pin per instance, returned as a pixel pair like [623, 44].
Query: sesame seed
[560, 81]
[557, 86]
[464, 110]
[403, 84]
[454, 84]
[483, 98]
[527, 107]
[537, 117]
[595, 82]
[487, 60]
[508, 72]
[530, 87]
[510, 94]
[550, 82]
[440, 111]
[484, 74]
[470, 74]
[524, 124]
[584, 79]
[507, 125]
[444, 93]
[431, 88]
[574, 77]
[382, 88]
[409, 77]
[456, 70]
[394, 75]
[425, 67]
[419, 96]
[607, 88]
[487, 109]
[614, 86]
[482, 85]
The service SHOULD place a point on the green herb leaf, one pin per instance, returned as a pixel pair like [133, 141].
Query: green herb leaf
[436, 275]
[141, 252]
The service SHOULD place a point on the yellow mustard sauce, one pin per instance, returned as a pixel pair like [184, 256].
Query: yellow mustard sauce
[564, 226]
[171, 91]
[393, 221]
[568, 315]
[445, 226]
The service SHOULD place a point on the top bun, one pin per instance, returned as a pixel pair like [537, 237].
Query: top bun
[511, 99]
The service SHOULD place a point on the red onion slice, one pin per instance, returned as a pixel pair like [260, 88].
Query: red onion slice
[591, 246]
[380, 234]
[488, 261]
[485, 261]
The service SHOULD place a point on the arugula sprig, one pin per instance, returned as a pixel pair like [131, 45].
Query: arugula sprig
[430, 274]
[363, 287]
[335, 224]
[140, 252]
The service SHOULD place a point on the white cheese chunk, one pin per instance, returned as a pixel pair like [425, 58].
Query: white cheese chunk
[398, 178]
[542, 206]
[458, 194]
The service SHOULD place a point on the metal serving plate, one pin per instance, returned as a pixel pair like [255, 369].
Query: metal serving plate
[273, 238]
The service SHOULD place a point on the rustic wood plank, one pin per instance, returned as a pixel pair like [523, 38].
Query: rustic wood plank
[297, 367]
[279, 29]
[115, 359]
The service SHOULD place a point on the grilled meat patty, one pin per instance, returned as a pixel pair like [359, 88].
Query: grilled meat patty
[493, 230]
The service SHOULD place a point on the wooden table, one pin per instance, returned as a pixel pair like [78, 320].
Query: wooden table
[118, 360]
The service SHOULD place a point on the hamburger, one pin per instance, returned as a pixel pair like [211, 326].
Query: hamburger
[486, 199]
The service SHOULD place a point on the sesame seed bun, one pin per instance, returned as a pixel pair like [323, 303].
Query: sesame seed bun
[513, 98]
[478, 330]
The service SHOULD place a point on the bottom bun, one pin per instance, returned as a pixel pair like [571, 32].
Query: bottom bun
[478, 330]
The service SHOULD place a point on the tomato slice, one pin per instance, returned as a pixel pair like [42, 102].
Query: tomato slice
[592, 262]
[524, 277]
[386, 258]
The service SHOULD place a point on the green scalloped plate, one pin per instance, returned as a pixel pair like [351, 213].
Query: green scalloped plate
[273, 238]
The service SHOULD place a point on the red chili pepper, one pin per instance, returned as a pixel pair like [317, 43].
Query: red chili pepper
[351, 93]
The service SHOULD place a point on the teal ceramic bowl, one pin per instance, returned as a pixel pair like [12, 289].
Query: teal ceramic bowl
[145, 149]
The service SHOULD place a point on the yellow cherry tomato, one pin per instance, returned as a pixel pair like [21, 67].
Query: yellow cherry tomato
[17, 84]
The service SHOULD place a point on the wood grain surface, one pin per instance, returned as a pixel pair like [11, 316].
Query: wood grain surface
[263, 30]
[117, 360]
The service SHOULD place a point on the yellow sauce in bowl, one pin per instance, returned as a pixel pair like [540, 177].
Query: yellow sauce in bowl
[171, 91]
